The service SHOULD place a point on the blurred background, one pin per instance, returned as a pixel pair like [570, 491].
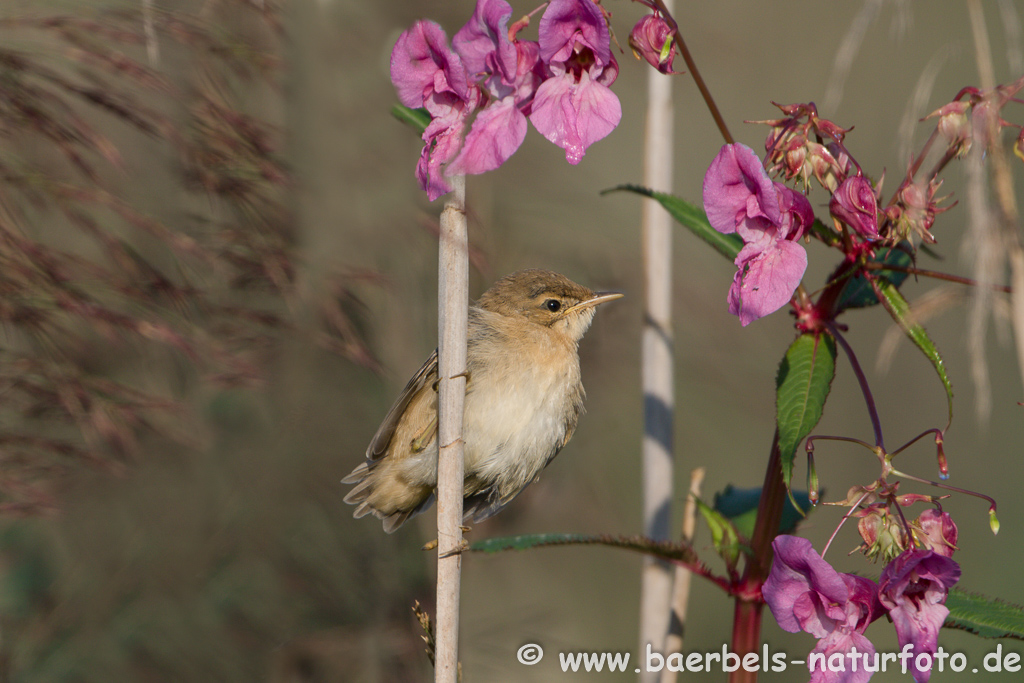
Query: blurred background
[220, 272]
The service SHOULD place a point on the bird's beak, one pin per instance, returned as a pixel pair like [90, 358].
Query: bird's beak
[598, 298]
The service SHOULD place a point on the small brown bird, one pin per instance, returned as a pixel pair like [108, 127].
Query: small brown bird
[523, 399]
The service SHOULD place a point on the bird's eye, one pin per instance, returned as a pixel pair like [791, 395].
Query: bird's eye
[553, 305]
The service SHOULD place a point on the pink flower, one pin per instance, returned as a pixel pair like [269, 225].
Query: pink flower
[805, 593]
[574, 108]
[854, 203]
[648, 40]
[422, 65]
[483, 43]
[480, 92]
[740, 197]
[428, 74]
[509, 75]
[913, 587]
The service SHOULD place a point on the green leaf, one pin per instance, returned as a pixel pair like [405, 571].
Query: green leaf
[723, 534]
[676, 552]
[417, 119]
[900, 312]
[802, 385]
[690, 216]
[983, 616]
[740, 507]
[858, 292]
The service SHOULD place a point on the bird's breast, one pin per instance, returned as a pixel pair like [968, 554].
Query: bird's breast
[524, 400]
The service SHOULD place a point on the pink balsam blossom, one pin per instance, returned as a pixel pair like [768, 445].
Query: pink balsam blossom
[913, 587]
[770, 217]
[805, 593]
[427, 74]
[507, 75]
[574, 108]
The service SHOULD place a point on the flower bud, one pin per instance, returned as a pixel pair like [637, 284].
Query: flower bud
[883, 533]
[954, 126]
[653, 40]
[936, 531]
[854, 203]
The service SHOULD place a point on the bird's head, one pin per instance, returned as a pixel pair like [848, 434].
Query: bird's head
[543, 297]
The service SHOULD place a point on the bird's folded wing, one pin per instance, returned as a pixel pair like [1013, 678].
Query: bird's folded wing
[424, 379]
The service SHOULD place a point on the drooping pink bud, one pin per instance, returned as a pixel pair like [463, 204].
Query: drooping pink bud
[936, 531]
[652, 39]
[854, 204]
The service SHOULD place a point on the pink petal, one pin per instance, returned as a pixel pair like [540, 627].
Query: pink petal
[842, 643]
[495, 135]
[738, 190]
[568, 22]
[768, 283]
[796, 571]
[797, 214]
[574, 115]
[442, 139]
[483, 43]
[421, 62]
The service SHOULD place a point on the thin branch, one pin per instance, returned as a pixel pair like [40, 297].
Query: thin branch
[662, 6]
[875, 265]
[869, 400]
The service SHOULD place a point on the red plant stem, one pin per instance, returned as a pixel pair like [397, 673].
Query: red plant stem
[874, 265]
[916, 166]
[692, 66]
[869, 400]
[947, 487]
[746, 628]
[746, 632]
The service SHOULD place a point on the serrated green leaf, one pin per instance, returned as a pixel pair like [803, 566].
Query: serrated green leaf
[858, 292]
[672, 551]
[802, 385]
[723, 534]
[740, 507]
[417, 119]
[984, 616]
[899, 309]
[690, 216]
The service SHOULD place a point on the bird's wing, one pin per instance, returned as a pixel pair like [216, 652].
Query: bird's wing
[425, 377]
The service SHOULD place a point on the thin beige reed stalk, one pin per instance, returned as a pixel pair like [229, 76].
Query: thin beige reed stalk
[657, 371]
[452, 308]
[682, 578]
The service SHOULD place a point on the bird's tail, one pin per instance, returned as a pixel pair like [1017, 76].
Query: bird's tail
[387, 497]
